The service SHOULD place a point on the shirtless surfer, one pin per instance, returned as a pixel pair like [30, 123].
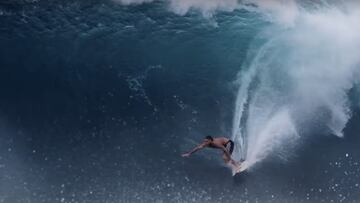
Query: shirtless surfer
[223, 143]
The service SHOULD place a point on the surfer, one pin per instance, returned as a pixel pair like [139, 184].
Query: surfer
[223, 143]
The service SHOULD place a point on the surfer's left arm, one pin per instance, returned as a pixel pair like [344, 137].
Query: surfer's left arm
[197, 148]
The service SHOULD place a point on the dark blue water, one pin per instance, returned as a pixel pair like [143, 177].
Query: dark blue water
[98, 101]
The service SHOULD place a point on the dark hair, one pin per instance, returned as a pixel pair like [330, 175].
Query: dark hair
[209, 138]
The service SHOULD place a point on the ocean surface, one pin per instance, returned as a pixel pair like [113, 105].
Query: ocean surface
[99, 99]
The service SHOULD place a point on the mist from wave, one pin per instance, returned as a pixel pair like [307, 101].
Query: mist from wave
[296, 81]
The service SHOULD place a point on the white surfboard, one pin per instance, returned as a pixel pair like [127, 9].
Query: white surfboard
[241, 168]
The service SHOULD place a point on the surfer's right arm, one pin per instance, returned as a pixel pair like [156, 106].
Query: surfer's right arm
[197, 148]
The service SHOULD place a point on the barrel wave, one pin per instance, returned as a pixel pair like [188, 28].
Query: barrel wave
[99, 99]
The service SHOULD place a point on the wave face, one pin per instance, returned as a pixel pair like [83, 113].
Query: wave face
[98, 99]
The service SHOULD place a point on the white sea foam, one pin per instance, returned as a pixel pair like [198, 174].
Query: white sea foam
[279, 9]
[129, 2]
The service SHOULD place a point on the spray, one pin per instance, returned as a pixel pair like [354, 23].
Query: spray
[298, 78]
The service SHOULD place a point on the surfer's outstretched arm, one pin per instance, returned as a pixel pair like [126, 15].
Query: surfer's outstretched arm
[197, 148]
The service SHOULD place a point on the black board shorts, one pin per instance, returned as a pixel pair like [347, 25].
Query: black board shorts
[229, 146]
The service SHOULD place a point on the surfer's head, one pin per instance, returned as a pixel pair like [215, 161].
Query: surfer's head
[208, 138]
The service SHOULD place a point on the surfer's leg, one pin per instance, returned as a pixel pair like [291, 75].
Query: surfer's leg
[230, 147]
[226, 159]
[233, 164]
